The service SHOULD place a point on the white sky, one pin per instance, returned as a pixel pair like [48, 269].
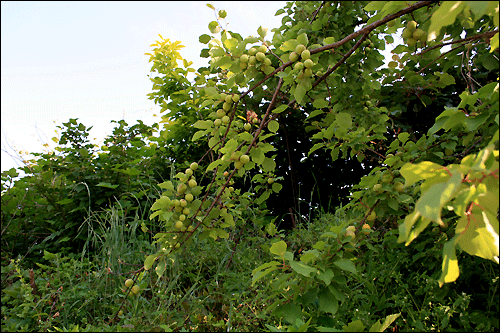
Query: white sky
[85, 60]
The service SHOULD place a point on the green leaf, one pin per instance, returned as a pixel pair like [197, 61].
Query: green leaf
[148, 263]
[450, 270]
[431, 202]
[268, 165]
[278, 248]
[378, 327]
[354, 326]
[262, 31]
[273, 126]
[204, 39]
[326, 276]
[416, 172]
[302, 268]
[277, 187]
[344, 120]
[327, 302]
[445, 15]
[346, 265]
[302, 39]
[263, 270]
[222, 14]
[280, 108]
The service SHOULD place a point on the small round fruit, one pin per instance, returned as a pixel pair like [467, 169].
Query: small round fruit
[129, 283]
[299, 48]
[308, 63]
[182, 188]
[411, 42]
[225, 120]
[260, 56]
[182, 217]
[189, 172]
[308, 72]
[372, 216]
[392, 64]
[136, 289]
[366, 229]
[298, 65]
[306, 54]
[255, 120]
[252, 60]
[377, 187]
[448, 152]
[252, 51]
[192, 183]
[220, 113]
[418, 33]
[387, 178]
[226, 173]
[183, 202]
[120, 313]
[243, 65]
[186, 211]
[229, 99]
[398, 186]
[236, 98]
[267, 62]
[238, 165]
[217, 122]
[244, 58]
[270, 180]
[244, 159]
[247, 127]
[407, 33]
[351, 228]
[177, 203]
[263, 48]
[226, 106]
[189, 197]
[411, 25]
[179, 224]
[350, 233]
[293, 57]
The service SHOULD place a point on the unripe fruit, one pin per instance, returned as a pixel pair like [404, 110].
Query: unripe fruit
[255, 120]
[189, 172]
[244, 159]
[306, 54]
[247, 127]
[189, 197]
[270, 180]
[181, 188]
[260, 56]
[377, 187]
[308, 72]
[308, 63]
[178, 209]
[182, 217]
[267, 62]
[225, 120]
[183, 202]
[350, 233]
[236, 98]
[226, 106]
[448, 151]
[238, 165]
[351, 228]
[244, 58]
[411, 42]
[217, 122]
[299, 48]
[229, 99]
[298, 65]
[243, 65]
[392, 64]
[412, 25]
[221, 113]
[177, 203]
[293, 57]
[179, 224]
[407, 34]
[129, 283]
[252, 51]
[136, 289]
[418, 33]
[372, 216]
[192, 182]
[186, 211]
[387, 178]
[252, 60]
[398, 186]
[120, 313]
[263, 48]
[366, 229]
[226, 173]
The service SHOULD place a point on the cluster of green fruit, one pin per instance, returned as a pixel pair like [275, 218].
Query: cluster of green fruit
[412, 35]
[305, 66]
[387, 178]
[256, 57]
[135, 289]
[181, 209]
[238, 158]
[350, 231]
[222, 118]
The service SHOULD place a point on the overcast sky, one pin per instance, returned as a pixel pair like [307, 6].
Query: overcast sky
[62, 60]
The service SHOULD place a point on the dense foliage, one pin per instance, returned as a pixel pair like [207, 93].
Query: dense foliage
[295, 184]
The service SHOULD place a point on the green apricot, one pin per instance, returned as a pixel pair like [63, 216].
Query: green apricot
[298, 65]
[293, 57]
[225, 120]
[217, 122]
[260, 56]
[226, 106]
[263, 48]
[244, 58]
[411, 25]
[308, 63]
[192, 182]
[189, 197]
[247, 127]
[252, 51]
[308, 72]
[244, 159]
[267, 62]
[306, 54]
[236, 98]
[221, 113]
[252, 60]
[229, 99]
[299, 48]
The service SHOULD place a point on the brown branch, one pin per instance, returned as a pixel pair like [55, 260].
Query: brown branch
[488, 34]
